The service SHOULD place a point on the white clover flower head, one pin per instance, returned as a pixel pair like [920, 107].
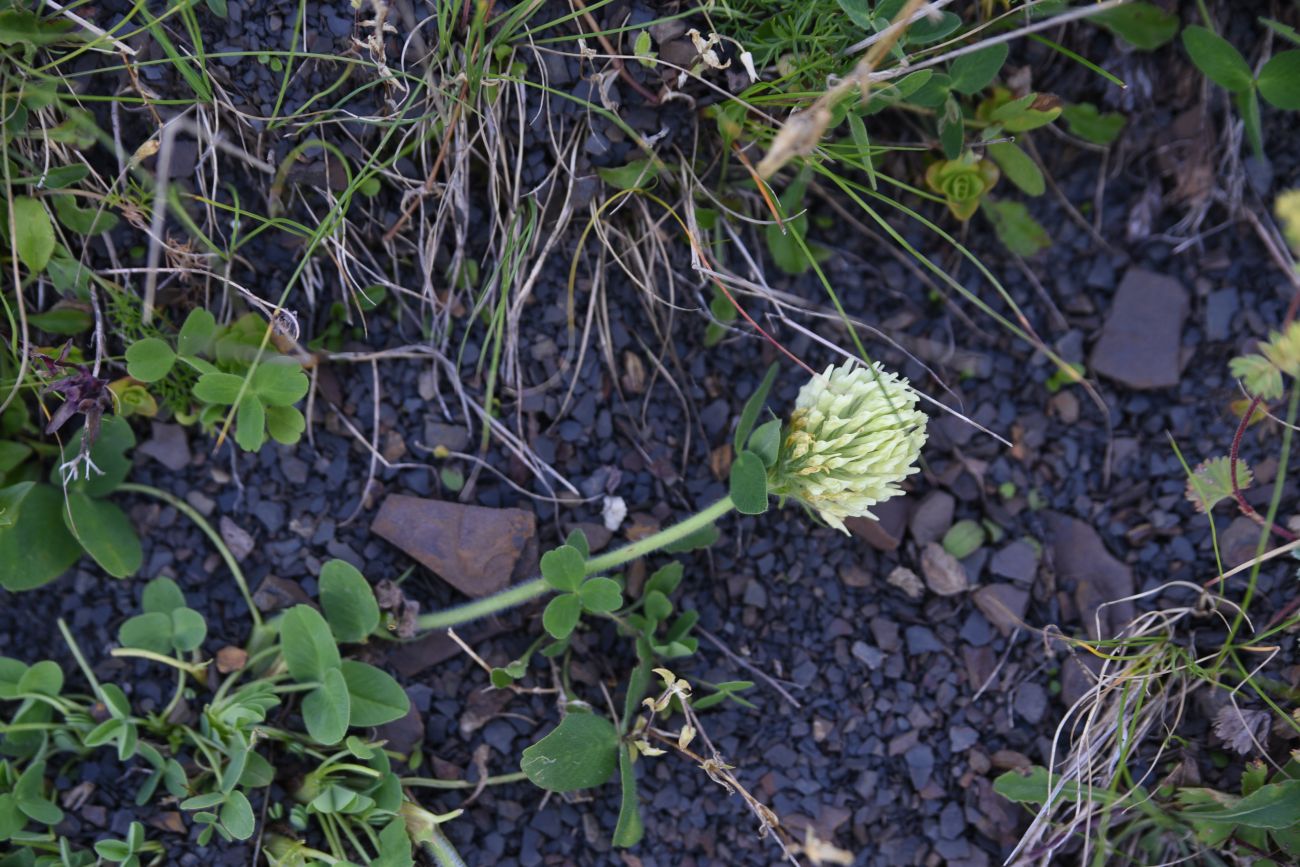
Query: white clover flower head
[854, 435]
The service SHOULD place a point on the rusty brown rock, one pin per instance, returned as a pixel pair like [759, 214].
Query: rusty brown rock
[475, 549]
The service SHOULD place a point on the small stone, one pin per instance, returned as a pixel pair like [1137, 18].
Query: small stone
[1141, 342]
[943, 572]
[920, 764]
[932, 517]
[854, 575]
[921, 639]
[237, 539]
[230, 658]
[168, 446]
[871, 657]
[1017, 561]
[886, 634]
[1003, 604]
[1031, 702]
[202, 504]
[275, 593]
[1065, 406]
[1220, 307]
[1081, 560]
[905, 579]
[885, 533]
[755, 594]
[449, 436]
[962, 738]
[475, 549]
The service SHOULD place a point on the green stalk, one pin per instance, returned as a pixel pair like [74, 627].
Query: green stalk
[190, 512]
[521, 593]
[441, 849]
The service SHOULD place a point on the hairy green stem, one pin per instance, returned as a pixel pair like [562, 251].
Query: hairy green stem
[521, 593]
[435, 783]
[190, 512]
[442, 849]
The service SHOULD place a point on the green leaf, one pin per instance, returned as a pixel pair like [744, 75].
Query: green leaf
[1085, 121]
[1018, 167]
[1145, 26]
[66, 273]
[115, 701]
[766, 442]
[630, 829]
[280, 381]
[858, 11]
[62, 319]
[11, 501]
[43, 678]
[658, 606]
[108, 453]
[577, 540]
[250, 423]
[394, 846]
[150, 359]
[38, 548]
[928, 30]
[1259, 375]
[1286, 31]
[307, 644]
[1218, 59]
[152, 632]
[12, 819]
[665, 579]
[563, 568]
[327, 709]
[188, 629]
[1274, 806]
[749, 484]
[237, 816]
[218, 388]
[753, 406]
[1279, 81]
[28, 792]
[83, 221]
[973, 72]
[375, 696]
[601, 595]
[1016, 227]
[787, 253]
[196, 333]
[33, 233]
[113, 850]
[952, 131]
[638, 174]
[162, 595]
[1211, 482]
[580, 754]
[963, 538]
[105, 532]
[349, 603]
[285, 424]
[561, 615]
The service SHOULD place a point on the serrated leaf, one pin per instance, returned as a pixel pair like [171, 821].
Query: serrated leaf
[1260, 377]
[1211, 482]
[280, 381]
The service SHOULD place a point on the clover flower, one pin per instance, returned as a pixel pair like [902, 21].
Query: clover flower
[854, 435]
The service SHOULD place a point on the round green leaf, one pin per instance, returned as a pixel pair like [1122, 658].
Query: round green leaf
[581, 753]
[280, 381]
[601, 595]
[1145, 26]
[349, 603]
[561, 615]
[33, 233]
[973, 72]
[150, 359]
[188, 629]
[105, 532]
[375, 697]
[12, 819]
[285, 424]
[1218, 59]
[237, 816]
[563, 568]
[151, 631]
[749, 484]
[44, 677]
[196, 332]
[11, 500]
[326, 709]
[1279, 81]
[163, 595]
[307, 644]
[108, 453]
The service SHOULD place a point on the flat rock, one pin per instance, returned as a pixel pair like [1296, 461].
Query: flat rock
[1141, 341]
[1017, 561]
[1081, 558]
[932, 517]
[237, 539]
[1003, 605]
[475, 549]
[275, 593]
[886, 532]
[943, 572]
[168, 446]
